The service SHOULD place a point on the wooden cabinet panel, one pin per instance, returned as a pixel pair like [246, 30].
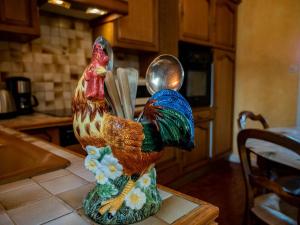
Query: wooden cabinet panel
[195, 20]
[225, 23]
[224, 86]
[193, 159]
[16, 12]
[19, 20]
[168, 167]
[140, 24]
[137, 30]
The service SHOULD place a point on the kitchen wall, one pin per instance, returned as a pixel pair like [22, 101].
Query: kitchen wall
[268, 60]
[55, 61]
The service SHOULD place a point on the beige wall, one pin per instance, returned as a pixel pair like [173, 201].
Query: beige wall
[268, 43]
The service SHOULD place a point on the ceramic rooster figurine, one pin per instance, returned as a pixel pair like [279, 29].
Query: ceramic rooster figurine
[121, 152]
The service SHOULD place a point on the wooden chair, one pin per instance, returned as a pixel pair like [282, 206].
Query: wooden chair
[244, 115]
[282, 204]
[272, 169]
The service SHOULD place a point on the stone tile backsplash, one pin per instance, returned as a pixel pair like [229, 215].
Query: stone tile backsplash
[54, 62]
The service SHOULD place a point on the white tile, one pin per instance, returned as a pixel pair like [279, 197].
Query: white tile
[81, 213]
[29, 139]
[39, 212]
[173, 208]
[76, 165]
[164, 195]
[69, 219]
[85, 174]
[4, 219]
[75, 197]
[8, 130]
[62, 184]
[151, 221]
[51, 175]
[66, 155]
[24, 195]
[15, 185]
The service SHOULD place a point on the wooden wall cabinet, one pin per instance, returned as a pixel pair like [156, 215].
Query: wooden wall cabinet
[225, 19]
[205, 22]
[19, 20]
[138, 30]
[195, 20]
[224, 64]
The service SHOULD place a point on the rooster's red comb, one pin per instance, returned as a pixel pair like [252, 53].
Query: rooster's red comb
[99, 55]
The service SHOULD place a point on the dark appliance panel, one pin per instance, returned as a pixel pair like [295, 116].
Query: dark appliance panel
[197, 64]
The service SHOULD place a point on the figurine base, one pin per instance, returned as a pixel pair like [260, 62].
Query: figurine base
[145, 203]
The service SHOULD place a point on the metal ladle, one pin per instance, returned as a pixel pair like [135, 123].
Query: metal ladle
[164, 72]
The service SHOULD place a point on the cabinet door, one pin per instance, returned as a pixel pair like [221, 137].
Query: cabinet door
[140, 28]
[16, 12]
[168, 167]
[225, 23]
[19, 17]
[195, 20]
[224, 87]
[196, 157]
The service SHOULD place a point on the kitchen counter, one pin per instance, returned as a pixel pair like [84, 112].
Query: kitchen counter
[35, 121]
[56, 197]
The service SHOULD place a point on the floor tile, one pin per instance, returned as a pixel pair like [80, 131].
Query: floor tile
[39, 212]
[169, 211]
[223, 186]
[24, 195]
[75, 197]
[51, 175]
[62, 184]
[69, 219]
[15, 185]
[164, 195]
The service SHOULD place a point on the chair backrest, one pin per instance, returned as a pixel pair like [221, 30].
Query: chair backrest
[244, 115]
[254, 180]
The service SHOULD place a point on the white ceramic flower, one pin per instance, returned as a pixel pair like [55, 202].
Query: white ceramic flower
[91, 163]
[93, 151]
[100, 177]
[145, 181]
[111, 167]
[135, 199]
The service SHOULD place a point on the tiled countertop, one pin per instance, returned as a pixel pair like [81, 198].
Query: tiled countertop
[35, 120]
[56, 197]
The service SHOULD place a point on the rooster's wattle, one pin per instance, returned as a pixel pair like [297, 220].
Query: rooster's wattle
[121, 152]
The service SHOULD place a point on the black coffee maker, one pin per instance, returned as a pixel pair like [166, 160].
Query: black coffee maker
[20, 87]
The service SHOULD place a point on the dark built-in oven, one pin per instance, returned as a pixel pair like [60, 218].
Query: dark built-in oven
[198, 79]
